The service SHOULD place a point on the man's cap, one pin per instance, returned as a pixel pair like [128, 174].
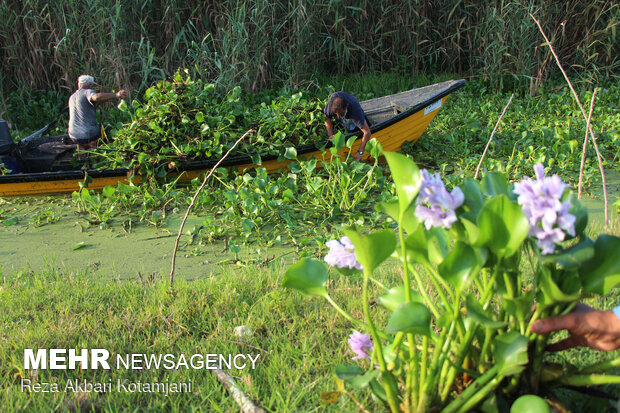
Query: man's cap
[86, 80]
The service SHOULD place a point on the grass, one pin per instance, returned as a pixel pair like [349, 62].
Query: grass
[299, 340]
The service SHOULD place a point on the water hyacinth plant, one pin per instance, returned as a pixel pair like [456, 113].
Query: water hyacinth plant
[480, 265]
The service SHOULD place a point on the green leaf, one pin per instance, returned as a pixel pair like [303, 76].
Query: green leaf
[602, 273]
[460, 265]
[552, 293]
[409, 222]
[406, 177]
[437, 241]
[291, 153]
[417, 247]
[503, 226]
[530, 403]
[396, 297]
[519, 307]
[580, 212]
[79, 245]
[374, 147]
[348, 372]
[479, 315]
[308, 276]
[10, 221]
[572, 257]
[410, 318]
[495, 183]
[473, 196]
[108, 191]
[372, 249]
[510, 353]
[350, 141]
[364, 380]
[338, 141]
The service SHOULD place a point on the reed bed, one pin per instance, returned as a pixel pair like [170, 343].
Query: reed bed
[260, 43]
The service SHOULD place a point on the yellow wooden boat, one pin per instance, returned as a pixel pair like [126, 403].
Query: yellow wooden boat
[393, 120]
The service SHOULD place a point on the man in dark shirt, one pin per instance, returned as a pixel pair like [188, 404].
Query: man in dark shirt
[347, 109]
[83, 127]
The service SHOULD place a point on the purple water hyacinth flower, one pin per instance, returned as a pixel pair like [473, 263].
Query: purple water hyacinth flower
[541, 202]
[360, 344]
[342, 254]
[435, 205]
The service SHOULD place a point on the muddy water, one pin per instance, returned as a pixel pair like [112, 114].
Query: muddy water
[71, 245]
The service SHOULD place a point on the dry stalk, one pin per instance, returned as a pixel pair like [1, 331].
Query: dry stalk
[492, 134]
[204, 182]
[585, 144]
[583, 112]
[240, 398]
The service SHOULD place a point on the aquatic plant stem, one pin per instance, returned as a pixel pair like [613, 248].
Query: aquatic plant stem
[583, 112]
[389, 381]
[492, 134]
[204, 182]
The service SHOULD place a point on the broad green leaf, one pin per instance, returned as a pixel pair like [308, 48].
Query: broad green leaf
[410, 318]
[372, 249]
[108, 191]
[396, 297]
[417, 247]
[530, 403]
[473, 196]
[350, 141]
[495, 183]
[437, 242]
[348, 372]
[519, 307]
[479, 315]
[471, 229]
[308, 276]
[460, 265]
[510, 353]
[552, 293]
[572, 257]
[602, 273]
[364, 380]
[406, 177]
[580, 212]
[291, 153]
[503, 226]
[10, 221]
[409, 222]
[374, 147]
[338, 141]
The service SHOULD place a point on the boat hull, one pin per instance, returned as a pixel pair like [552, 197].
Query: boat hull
[391, 130]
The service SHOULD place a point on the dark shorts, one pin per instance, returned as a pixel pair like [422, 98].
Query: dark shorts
[83, 141]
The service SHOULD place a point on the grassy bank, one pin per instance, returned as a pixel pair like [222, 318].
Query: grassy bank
[299, 340]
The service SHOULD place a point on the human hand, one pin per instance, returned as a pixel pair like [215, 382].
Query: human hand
[121, 94]
[599, 330]
[330, 137]
[357, 156]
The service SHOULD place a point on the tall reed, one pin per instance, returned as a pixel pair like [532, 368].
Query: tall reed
[262, 43]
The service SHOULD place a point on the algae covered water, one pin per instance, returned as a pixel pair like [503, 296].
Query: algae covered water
[44, 233]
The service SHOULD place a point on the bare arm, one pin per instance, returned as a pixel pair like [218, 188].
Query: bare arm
[329, 125]
[106, 97]
[587, 327]
[365, 138]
